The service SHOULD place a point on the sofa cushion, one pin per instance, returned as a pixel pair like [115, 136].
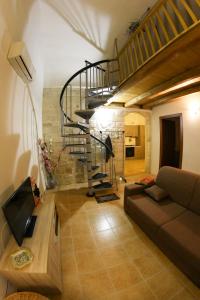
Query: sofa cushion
[150, 214]
[156, 193]
[182, 235]
[178, 183]
[195, 202]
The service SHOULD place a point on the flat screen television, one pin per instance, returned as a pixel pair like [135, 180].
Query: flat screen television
[18, 211]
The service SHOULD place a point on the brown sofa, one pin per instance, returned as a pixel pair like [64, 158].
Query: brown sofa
[173, 223]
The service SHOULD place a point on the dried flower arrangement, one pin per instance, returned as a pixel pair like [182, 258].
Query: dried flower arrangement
[49, 165]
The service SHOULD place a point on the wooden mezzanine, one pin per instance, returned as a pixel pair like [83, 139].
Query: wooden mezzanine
[161, 59]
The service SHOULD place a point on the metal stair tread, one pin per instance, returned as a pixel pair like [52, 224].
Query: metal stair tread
[74, 135]
[82, 160]
[77, 153]
[76, 125]
[77, 135]
[99, 176]
[75, 145]
[85, 113]
[96, 103]
[95, 167]
[102, 186]
[100, 90]
[96, 97]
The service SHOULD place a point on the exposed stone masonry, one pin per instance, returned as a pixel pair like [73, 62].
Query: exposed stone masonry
[109, 121]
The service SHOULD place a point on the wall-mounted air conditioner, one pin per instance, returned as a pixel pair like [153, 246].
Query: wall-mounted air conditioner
[20, 60]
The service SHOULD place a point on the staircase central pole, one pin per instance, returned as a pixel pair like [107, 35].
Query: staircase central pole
[88, 144]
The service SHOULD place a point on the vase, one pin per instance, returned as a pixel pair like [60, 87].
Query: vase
[50, 182]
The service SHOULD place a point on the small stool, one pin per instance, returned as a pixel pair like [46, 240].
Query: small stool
[26, 296]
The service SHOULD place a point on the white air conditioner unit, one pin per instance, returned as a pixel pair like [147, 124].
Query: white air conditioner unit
[20, 60]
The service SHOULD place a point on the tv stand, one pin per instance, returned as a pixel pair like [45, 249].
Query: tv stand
[31, 226]
[43, 274]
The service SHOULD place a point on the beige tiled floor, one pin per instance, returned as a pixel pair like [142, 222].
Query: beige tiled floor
[106, 256]
[134, 166]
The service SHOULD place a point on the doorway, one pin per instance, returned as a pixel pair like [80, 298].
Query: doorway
[134, 144]
[171, 141]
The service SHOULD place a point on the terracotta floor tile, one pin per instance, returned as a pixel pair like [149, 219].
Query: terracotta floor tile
[91, 204]
[61, 205]
[116, 220]
[124, 232]
[67, 245]
[124, 276]
[84, 242]
[69, 266]
[139, 291]
[112, 296]
[88, 261]
[105, 238]
[96, 285]
[164, 285]
[184, 295]
[111, 211]
[64, 218]
[106, 256]
[77, 208]
[191, 287]
[136, 248]
[147, 265]
[66, 230]
[99, 224]
[78, 217]
[72, 288]
[112, 256]
[94, 213]
[81, 227]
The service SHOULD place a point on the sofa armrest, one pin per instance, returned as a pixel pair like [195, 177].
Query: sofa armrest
[130, 190]
[133, 189]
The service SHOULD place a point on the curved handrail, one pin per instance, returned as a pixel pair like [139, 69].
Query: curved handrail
[68, 82]
[76, 74]
[101, 142]
[104, 144]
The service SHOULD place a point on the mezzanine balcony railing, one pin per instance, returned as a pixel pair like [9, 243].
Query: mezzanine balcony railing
[166, 22]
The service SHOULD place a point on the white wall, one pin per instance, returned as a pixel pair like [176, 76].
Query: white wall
[83, 29]
[19, 20]
[189, 106]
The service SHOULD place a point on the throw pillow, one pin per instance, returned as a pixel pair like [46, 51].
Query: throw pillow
[156, 193]
[147, 181]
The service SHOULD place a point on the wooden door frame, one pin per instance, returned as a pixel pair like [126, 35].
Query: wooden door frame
[180, 116]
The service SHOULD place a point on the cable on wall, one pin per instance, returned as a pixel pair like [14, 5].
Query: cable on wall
[37, 131]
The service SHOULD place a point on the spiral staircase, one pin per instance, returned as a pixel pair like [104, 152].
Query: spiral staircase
[93, 85]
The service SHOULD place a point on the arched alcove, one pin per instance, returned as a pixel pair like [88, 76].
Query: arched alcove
[137, 123]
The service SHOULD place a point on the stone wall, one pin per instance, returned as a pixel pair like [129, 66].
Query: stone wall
[110, 121]
[69, 171]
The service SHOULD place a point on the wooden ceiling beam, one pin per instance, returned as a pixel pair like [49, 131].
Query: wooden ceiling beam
[173, 96]
[173, 65]
[153, 93]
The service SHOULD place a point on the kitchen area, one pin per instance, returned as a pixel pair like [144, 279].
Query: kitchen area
[134, 147]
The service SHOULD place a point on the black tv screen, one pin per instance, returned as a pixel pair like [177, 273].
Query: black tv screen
[18, 210]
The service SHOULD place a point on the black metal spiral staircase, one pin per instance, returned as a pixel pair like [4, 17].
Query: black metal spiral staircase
[93, 86]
